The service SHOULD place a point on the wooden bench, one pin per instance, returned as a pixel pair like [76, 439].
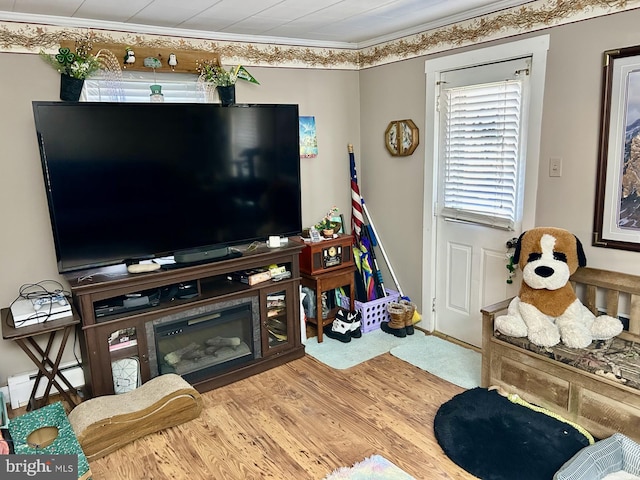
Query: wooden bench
[602, 402]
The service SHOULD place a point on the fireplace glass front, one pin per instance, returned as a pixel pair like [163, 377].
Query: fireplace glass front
[205, 340]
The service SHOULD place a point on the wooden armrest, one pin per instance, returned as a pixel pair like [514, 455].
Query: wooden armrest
[496, 307]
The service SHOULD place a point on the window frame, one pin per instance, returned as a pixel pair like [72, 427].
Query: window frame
[138, 84]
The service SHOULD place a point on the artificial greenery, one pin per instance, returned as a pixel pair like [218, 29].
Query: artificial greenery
[211, 72]
[511, 267]
[327, 223]
[80, 64]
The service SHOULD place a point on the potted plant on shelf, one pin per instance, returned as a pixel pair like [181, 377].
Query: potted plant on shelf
[74, 68]
[223, 80]
[327, 226]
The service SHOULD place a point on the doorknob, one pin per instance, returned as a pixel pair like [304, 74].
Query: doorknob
[512, 243]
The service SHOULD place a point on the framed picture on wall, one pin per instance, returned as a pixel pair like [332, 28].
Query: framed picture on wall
[308, 139]
[617, 208]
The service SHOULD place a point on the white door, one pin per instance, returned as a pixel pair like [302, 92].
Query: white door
[479, 190]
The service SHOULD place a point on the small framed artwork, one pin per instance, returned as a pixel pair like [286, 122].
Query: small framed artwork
[315, 236]
[308, 139]
[617, 209]
[339, 219]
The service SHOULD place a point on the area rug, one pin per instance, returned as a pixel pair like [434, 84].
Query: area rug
[345, 355]
[375, 467]
[458, 365]
[494, 438]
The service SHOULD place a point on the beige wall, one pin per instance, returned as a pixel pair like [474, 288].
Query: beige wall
[392, 187]
[349, 107]
[26, 245]
[570, 129]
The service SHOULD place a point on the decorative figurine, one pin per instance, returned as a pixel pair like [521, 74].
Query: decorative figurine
[173, 60]
[156, 94]
[129, 57]
[152, 62]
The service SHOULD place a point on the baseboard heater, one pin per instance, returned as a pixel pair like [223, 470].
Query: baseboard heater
[20, 386]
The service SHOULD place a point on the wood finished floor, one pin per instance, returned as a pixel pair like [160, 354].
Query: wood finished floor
[300, 421]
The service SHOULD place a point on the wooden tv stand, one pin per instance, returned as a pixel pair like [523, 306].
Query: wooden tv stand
[130, 328]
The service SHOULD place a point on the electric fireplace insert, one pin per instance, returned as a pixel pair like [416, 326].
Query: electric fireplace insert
[205, 339]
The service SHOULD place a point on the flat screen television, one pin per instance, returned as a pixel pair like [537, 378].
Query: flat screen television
[132, 181]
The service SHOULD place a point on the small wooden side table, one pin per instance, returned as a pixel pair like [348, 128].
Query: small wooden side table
[322, 282]
[25, 338]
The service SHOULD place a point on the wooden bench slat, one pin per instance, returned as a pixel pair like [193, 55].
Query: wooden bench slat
[591, 298]
[634, 315]
[613, 301]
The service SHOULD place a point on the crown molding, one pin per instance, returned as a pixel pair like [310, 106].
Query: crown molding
[528, 18]
[138, 28]
[40, 34]
[31, 38]
[448, 20]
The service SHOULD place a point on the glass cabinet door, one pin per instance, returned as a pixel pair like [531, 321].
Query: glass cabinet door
[277, 328]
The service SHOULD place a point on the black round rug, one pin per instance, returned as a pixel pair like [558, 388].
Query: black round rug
[495, 439]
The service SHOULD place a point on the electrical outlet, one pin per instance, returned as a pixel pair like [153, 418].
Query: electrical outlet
[555, 167]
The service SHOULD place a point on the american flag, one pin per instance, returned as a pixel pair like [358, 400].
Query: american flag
[357, 216]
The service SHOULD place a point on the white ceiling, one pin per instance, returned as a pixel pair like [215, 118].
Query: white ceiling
[305, 22]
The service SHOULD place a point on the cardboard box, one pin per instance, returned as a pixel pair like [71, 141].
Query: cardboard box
[251, 277]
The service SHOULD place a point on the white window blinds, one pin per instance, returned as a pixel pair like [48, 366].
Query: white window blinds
[482, 131]
[135, 87]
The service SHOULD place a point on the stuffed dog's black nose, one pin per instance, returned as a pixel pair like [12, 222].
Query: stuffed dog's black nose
[544, 271]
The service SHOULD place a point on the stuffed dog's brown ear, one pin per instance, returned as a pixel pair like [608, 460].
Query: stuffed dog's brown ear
[582, 258]
[516, 253]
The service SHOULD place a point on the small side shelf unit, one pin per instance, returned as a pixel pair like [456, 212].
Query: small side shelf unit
[198, 322]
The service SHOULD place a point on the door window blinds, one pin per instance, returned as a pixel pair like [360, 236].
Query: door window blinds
[135, 87]
[482, 143]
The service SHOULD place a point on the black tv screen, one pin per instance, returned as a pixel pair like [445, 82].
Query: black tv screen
[129, 181]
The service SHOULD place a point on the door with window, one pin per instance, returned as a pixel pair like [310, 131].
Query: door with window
[479, 190]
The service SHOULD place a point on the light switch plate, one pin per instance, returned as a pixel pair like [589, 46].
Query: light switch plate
[555, 167]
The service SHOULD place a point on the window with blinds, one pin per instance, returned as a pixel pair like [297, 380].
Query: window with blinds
[481, 149]
[136, 87]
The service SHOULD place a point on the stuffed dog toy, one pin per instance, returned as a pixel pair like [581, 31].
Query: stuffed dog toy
[547, 309]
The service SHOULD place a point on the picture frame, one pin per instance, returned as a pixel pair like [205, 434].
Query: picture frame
[401, 137]
[308, 137]
[617, 203]
[339, 218]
